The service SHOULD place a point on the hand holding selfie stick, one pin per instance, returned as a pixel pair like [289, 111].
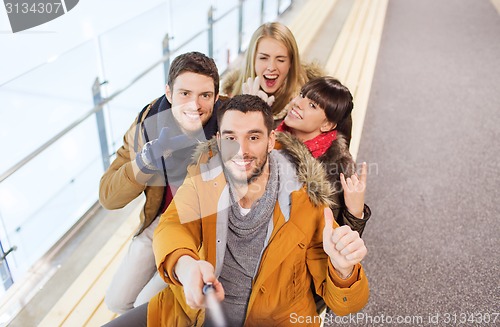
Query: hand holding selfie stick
[214, 306]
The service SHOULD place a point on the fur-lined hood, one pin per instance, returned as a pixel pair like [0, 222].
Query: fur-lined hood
[228, 81]
[309, 171]
[337, 159]
[209, 148]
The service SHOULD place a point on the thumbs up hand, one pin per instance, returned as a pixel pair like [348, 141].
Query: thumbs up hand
[344, 246]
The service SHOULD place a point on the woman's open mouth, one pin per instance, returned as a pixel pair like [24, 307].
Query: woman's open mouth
[270, 79]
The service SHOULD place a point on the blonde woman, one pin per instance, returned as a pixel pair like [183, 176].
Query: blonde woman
[272, 69]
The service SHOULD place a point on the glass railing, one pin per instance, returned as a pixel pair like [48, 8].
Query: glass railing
[52, 159]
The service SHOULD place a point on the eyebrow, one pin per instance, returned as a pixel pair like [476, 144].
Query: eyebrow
[265, 54]
[252, 131]
[255, 131]
[186, 90]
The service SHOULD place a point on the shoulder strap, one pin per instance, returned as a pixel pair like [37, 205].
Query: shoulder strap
[143, 114]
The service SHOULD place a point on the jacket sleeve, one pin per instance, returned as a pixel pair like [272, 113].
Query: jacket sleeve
[341, 296]
[357, 224]
[179, 231]
[118, 185]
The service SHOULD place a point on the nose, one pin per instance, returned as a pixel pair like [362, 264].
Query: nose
[197, 103]
[271, 66]
[296, 102]
[243, 148]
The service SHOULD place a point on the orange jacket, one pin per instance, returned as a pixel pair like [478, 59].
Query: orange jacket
[293, 256]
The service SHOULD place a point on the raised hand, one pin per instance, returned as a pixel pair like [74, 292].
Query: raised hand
[354, 191]
[149, 159]
[193, 275]
[343, 245]
[252, 87]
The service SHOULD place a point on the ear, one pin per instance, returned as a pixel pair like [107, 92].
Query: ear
[327, 126]
[272, 141]
[168, 93]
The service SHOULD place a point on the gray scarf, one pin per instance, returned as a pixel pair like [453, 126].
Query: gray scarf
[245, 244]
[261, 210]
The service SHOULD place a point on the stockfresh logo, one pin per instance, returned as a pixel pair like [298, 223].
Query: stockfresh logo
[25, 14]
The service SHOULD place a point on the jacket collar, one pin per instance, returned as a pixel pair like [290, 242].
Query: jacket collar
[308, 172]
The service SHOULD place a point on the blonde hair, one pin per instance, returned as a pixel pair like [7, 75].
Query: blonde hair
[296, 75]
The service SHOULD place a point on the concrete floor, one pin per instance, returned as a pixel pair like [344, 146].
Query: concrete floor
[431, 136]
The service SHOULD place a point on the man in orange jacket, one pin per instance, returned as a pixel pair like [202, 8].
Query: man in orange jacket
[257, 228]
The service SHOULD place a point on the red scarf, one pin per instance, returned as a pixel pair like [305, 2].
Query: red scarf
[318, 145]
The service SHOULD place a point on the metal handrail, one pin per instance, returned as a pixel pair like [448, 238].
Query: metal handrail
[44, 146]
[79, 45]
[95, 109]
[225, 14]
[101, 104]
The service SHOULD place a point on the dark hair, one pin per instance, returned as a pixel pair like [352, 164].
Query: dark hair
[334, 98]
[246, 103]
[194, 62]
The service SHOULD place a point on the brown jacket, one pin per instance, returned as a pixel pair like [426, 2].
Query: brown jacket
[118, 185]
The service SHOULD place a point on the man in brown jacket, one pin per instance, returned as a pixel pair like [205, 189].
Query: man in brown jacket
[153, 159]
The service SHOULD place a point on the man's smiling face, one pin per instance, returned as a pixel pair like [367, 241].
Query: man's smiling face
[192, 97]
